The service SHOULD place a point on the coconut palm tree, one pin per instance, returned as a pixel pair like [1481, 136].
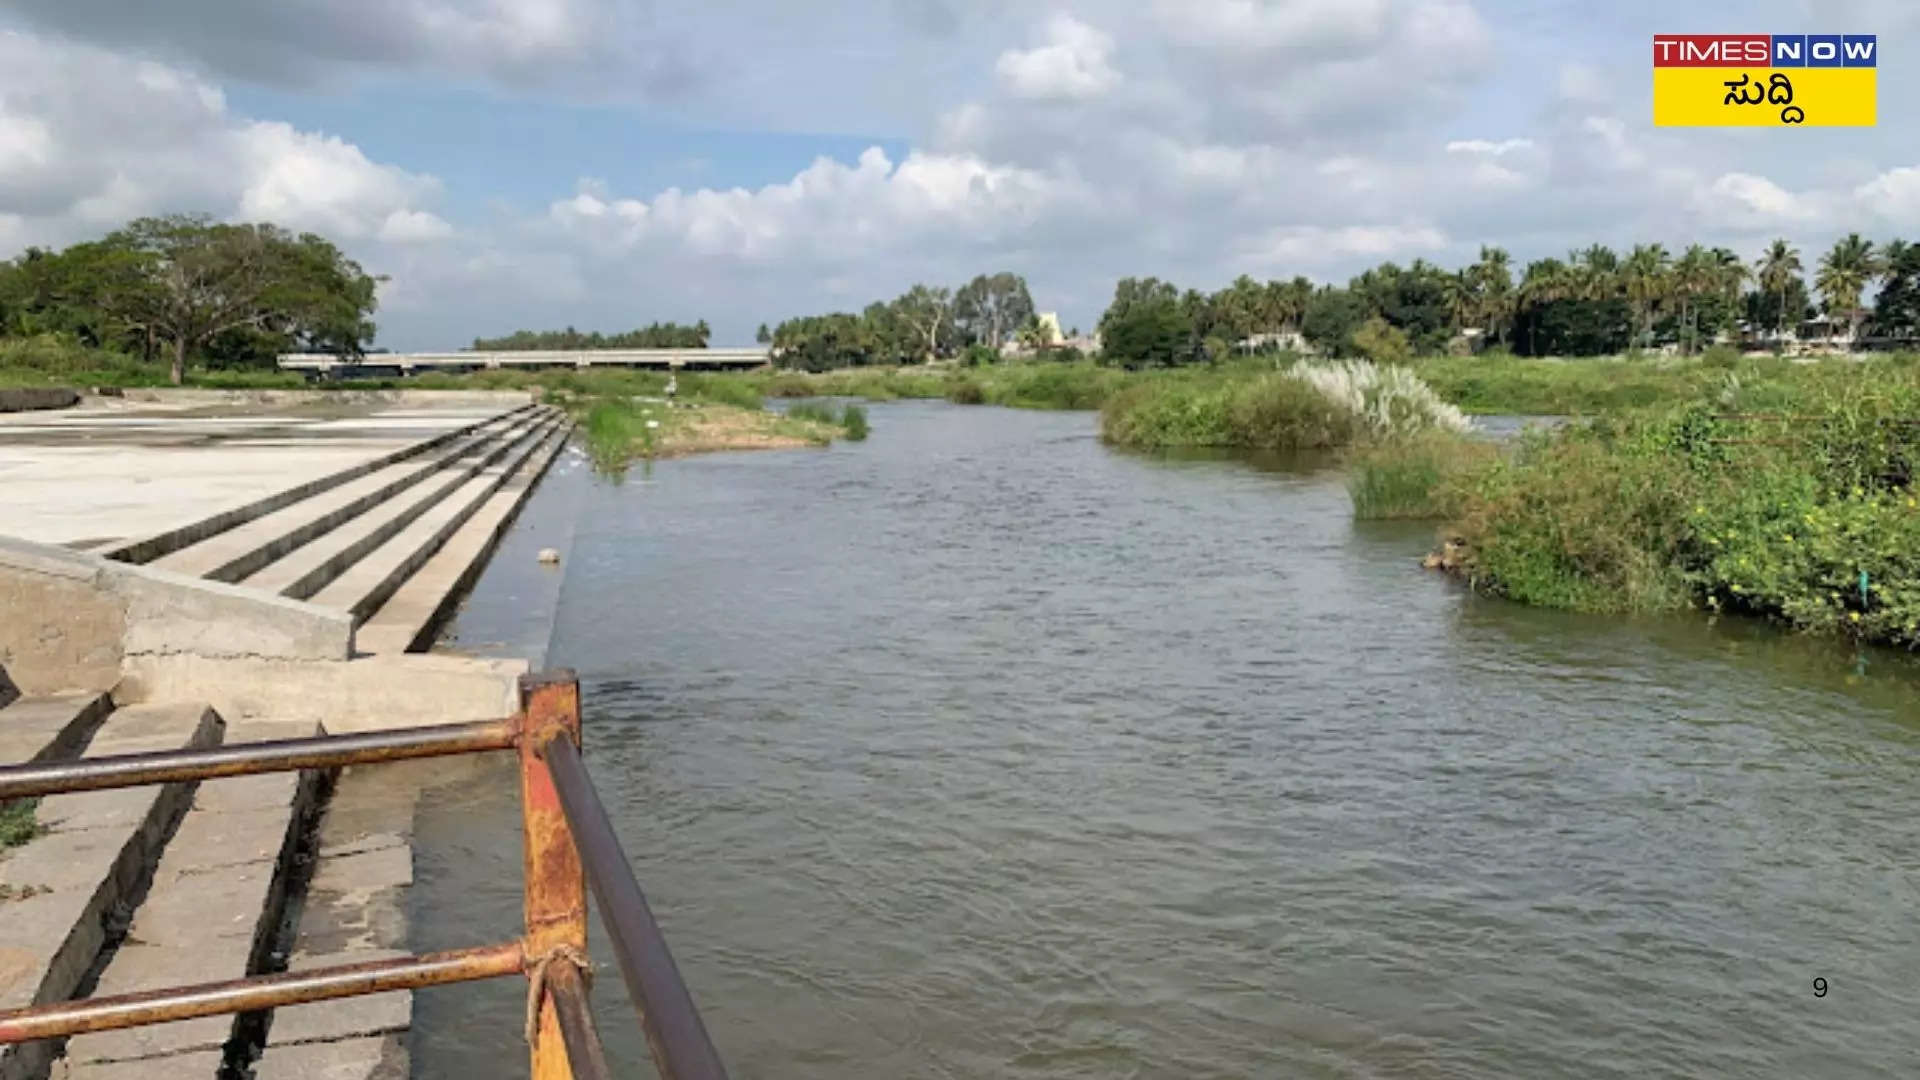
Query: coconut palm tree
[1647, 277]
[1695, 274]
[1728, 280]
[1493, 282]
[1775, 272]
[1463, 299]
[1545, 281]
[1845, 271]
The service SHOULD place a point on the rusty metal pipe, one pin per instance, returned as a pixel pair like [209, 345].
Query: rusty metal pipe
[585, 1055]
[681, 1047]
[246, 759]
[65, 1018]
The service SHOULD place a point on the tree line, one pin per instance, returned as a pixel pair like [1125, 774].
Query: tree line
[652, 336]
[924, 323]
[183, 287]
[1593, 302]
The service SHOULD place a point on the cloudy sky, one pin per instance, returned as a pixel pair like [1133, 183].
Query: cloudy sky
[607, 163]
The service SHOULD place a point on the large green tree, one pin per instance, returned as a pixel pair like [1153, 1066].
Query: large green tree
[182, 281]
[990, 308]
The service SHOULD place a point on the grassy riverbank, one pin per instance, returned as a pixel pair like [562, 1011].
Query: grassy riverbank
[1307, 406]
[619, 431]
[1792, 500]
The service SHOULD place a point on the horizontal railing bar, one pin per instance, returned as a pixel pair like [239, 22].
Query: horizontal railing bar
[681, 1047]
[66, 1018]
[586, 1057]
[246, 759]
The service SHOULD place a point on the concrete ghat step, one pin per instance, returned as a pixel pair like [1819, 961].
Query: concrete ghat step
[153, 547]
[371, 581]
[50, 727]
[355, 910]
[239, 551]
[309, 569]
[409, 619]
[212, 912]
[97, 855]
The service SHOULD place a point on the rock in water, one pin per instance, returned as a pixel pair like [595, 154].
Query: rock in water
[549, 556]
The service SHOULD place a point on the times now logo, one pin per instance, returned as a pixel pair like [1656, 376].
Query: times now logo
[1766, 50]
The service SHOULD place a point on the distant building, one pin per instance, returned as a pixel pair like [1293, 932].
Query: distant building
[1050, 325]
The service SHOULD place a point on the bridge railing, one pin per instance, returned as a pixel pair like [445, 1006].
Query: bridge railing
[568, 841]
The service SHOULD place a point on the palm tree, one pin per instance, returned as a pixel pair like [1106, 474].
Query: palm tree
[1493, 281]
[1775, 272]
[1728, 278]
[1545, 281]
[1595, 273]
[1695, 274]
[1845, 272]
[1463, 300]
[1648, 280]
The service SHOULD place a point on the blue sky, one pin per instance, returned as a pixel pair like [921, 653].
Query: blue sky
[607, 163]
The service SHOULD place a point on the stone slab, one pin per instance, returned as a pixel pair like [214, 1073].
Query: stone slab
[368, 694]
[200, 1066]
[51, 939]
[49, 727]
[381, 1058]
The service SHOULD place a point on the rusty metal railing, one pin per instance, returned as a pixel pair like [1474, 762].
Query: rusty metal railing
[568, 840]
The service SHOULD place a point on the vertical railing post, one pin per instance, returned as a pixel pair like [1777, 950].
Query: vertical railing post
[555, 903]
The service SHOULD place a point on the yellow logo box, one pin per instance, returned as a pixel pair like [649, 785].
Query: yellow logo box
[1760, 96]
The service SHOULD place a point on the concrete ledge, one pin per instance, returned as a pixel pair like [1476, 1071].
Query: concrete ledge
[26, 398]
[367, 694]
[73, 618]
[191, 398]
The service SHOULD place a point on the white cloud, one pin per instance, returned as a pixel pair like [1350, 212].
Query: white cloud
[1487, 146]
[1894, 195]
[1315, 245]
[414, 227]
[1072, 64]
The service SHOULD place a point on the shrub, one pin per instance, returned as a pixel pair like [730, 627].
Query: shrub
[966, 392]
[816, 411]
[1415, 476]
[854, 420]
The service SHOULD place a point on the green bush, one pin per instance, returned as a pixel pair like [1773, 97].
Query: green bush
[1806, 514]
[966, 392]
[1415, 476]
[854, 420]
[816, 411]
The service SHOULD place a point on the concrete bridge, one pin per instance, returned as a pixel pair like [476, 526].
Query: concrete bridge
[329, 366]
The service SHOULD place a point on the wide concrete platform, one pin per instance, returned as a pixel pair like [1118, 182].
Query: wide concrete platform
[113, 469]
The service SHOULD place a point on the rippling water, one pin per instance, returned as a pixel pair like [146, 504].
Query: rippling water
[982, 750]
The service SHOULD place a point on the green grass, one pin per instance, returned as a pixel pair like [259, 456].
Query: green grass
[1790, 500]
[1419, 476]
[615, 433]
[17, 824]
[853, 420]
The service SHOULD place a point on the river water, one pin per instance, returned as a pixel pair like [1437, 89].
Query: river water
[982, 750]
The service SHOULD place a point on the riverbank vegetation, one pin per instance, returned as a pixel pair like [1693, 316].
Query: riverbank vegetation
[1791, 500]
[619, 431]
[1305, 406]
